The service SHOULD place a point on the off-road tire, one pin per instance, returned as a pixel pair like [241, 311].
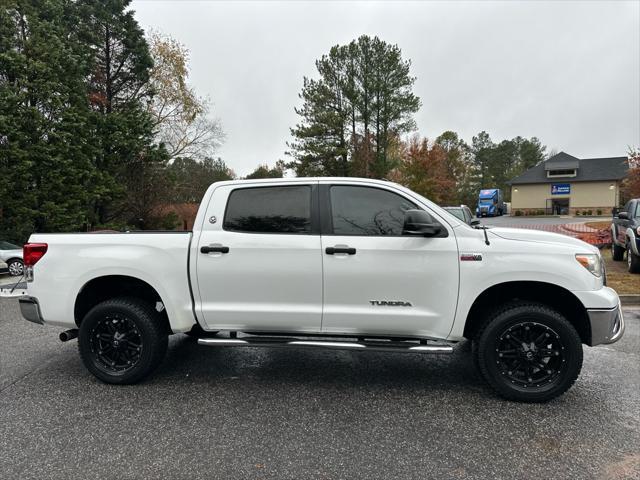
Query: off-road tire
[540, 318]
[147, 330]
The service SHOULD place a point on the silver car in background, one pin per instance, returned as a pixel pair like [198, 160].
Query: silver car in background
[11, 255]
[463, 213]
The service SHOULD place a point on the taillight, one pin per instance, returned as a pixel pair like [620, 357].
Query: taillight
[32, 252]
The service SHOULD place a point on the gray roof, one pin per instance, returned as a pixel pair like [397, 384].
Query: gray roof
[561, 161]
[589, 170]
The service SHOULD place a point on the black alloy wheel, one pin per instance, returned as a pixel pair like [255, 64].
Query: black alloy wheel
[116, 344]
[529, 354]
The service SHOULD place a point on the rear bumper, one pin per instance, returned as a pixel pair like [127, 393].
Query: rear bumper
[607, 325]
[30, 309]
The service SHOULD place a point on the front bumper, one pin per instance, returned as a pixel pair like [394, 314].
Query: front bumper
[607, 325]
[30, 309]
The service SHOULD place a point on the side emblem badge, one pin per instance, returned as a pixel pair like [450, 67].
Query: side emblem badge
[390, 303]
[470, 257]
[213, 219]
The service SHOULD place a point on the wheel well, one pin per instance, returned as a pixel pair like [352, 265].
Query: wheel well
[553, 296]
[111, 286]
[12, 259]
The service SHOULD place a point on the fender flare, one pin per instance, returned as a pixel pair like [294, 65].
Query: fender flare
[614, 237]
[632, 241]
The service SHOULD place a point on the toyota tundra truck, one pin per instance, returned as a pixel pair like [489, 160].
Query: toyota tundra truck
[342, 263]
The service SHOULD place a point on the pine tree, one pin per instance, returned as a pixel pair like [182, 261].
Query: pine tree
[45, 137]
[120, 90]
[264, 171]
[351, 114]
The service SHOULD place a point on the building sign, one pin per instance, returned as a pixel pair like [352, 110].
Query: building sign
[560, 189]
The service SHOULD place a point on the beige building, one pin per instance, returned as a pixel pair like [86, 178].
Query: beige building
[565, 185]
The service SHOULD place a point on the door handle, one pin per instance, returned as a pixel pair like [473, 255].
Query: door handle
[214, 249]
[334, 250]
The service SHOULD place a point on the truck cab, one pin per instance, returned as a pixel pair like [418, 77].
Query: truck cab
[490, 203]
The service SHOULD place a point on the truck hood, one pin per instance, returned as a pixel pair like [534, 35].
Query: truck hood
[540, 236]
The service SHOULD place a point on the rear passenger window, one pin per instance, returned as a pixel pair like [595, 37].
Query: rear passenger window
[269, 210]
[367, 211]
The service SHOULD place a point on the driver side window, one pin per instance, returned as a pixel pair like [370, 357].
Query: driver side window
[367, 211]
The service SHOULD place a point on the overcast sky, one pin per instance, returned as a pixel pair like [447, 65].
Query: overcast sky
[566, 72]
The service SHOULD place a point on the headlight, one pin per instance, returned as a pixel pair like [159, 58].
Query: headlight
[590, 261]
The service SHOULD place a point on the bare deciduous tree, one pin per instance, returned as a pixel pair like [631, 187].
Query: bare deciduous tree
[181, 118]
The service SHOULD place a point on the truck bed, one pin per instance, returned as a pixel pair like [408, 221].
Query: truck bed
[158, 258]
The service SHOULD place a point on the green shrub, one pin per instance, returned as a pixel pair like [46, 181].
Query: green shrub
[589, 212]
[577, 213]
[599, 212]
[170, 221]
[518, 213]
[540, 212]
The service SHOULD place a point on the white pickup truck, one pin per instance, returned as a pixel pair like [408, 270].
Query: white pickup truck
[343, 263]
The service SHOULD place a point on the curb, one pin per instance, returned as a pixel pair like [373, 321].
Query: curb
[629, 299]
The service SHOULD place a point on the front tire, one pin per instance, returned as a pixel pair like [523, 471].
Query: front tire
[528, 352]
[122, 340]
[633, 261]
[16, 267]
[617, 252]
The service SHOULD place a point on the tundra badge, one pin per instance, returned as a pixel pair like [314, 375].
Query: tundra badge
[389, 303]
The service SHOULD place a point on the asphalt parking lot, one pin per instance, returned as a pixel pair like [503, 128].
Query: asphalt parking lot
[6, 279]
[273, 413]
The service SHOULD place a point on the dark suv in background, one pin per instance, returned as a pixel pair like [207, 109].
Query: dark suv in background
[625, 235]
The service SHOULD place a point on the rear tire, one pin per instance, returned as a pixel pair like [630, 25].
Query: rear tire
[617, 252]
[633, 261]
[122, 340]
[528, 352]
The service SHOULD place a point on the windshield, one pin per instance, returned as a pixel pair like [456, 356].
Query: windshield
[457, 212]
[9, 246]
[487, 194]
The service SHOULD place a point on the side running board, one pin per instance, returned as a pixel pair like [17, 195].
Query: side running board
[379, 346]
